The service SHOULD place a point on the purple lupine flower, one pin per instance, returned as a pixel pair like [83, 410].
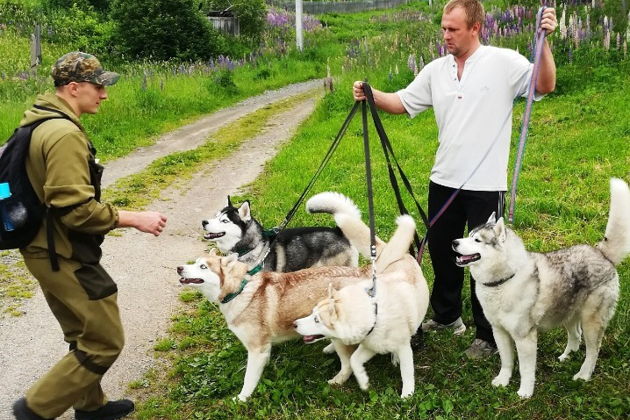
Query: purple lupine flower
[411, 63]
[618, 41]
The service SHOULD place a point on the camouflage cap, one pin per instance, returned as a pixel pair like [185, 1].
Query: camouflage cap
[78, 66]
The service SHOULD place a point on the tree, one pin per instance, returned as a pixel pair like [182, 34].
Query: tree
[164, 29]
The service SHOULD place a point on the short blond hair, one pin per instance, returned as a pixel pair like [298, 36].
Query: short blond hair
[473, 9]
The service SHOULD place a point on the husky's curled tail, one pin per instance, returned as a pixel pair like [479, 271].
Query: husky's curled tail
[616, 243]
[347, 217]
[333, 203]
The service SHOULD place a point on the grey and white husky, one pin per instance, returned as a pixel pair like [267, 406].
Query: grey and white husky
[235, 230]
[523, 291]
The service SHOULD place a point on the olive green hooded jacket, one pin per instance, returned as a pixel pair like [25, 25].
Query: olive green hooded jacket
[66, 177]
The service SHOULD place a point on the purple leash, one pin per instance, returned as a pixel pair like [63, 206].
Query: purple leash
[540, 37]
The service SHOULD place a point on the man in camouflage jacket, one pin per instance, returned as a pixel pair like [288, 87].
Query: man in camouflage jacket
[66, 176]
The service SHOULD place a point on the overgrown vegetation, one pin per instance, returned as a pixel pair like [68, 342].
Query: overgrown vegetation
[123, 31]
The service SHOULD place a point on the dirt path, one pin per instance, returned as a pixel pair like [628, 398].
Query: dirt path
[142, 265]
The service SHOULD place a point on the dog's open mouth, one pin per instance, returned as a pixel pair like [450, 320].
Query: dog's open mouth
[464, 260]
[190, 281]
[213, 235]
[308, 339]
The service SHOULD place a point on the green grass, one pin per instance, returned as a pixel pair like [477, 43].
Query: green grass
[16, 284]
[136, 113]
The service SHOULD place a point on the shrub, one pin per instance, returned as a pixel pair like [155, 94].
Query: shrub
[19, 16]
[98, 5]
[80, 29]
[163, 29]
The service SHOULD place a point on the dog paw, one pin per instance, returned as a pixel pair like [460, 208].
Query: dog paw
[339, 379]
[363, 384]
[525, 393]
[501, 380]
[563, 357]
[240, 398]
[582, 376]
[329, 349]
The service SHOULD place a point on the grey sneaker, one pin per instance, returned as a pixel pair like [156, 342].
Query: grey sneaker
[458, 326]
[480, 349]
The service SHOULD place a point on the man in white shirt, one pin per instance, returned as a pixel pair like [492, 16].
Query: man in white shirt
[471, 91]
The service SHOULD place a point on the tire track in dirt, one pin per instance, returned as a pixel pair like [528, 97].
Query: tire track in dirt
[143, 265]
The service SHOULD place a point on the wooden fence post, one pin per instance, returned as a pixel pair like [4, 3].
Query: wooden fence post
[36, 46]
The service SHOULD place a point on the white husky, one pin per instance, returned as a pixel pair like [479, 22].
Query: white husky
[380, 324]
[522, 291]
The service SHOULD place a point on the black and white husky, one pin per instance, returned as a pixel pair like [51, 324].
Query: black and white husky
[522, 291]
[235, 230]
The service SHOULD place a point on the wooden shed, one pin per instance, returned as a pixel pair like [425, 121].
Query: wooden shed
[225, 21]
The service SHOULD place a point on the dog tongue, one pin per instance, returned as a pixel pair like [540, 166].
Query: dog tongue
[310, 338]
[213, 235]
[465, 259]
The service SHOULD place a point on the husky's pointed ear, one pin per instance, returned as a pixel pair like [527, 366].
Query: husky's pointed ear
[493, 218]
[230, 258]
[500, 229]
[229, 202]
[244, 211]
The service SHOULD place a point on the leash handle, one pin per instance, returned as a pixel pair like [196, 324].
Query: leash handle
[370, 194]
[538, 46]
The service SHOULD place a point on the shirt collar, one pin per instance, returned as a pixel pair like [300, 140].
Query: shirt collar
[474, 56]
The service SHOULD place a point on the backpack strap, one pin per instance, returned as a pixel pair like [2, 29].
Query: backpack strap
[52, 250]
[44, 108]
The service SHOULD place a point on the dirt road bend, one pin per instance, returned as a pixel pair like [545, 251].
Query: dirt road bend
[143, 265]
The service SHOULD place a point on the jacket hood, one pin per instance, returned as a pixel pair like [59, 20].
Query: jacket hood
[52, 101]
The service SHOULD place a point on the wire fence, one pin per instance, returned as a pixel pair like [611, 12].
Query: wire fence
[317, 7]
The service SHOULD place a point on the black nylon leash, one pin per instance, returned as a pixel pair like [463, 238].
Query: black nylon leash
[329, 153]
[387, 151]
[370, 195]
[331, 150]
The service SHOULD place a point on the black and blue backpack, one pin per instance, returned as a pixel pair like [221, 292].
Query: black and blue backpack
[23, 208]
